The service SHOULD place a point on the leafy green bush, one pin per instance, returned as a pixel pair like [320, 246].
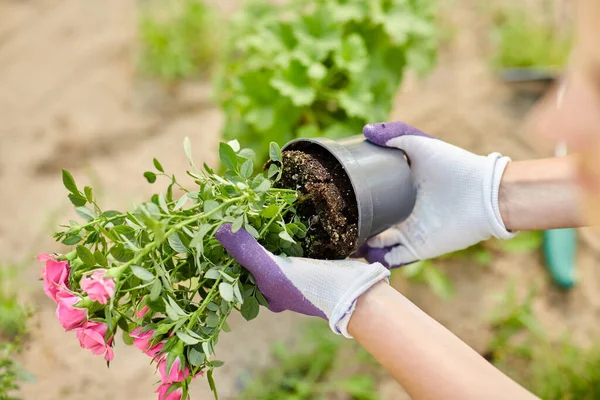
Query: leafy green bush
[178, 39]
[524, 41]
[319, 67]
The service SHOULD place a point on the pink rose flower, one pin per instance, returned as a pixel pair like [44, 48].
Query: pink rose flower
[176, 374]
[142, 312]
[98, 287]
[91, 336]
[163, 395]
[68, 315]
[55, 275]
[155, 350]
[141, 340]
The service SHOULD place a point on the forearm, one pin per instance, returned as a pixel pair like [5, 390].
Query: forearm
[540, 194]
[428, 360]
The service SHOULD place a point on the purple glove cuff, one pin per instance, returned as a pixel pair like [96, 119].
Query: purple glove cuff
[382, 132]
[280, 292]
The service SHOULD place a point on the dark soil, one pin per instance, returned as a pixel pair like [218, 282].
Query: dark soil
[327, 202]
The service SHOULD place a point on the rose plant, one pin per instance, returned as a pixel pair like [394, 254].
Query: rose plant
[158, 275]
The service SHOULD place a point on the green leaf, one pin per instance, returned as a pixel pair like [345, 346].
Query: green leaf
[273, 170]
[247, 169]
[227, 156]
[162, 202]
[197, 239]
[210, 205]
[187, 148]
[275, 152]
[286, 236]
[217, 363]
[250, 308]
[181, 202]
[100, 258]
[157, 165]
[150, 176]
[195, 357]
[237, 224]
[270, 211]
[238, 293]
[187, 339]
[85, 255]
[261, 299]
[128, 340]
[121, 254]
[85, 213]
[71, 240]
[211, 381]
[212, 273]
[294, 84]
[226, 291]
[142, 273]
[89, 193]
[77, 200]
[69, 182]
[263, 186]
[248, 154]
[352, 54]
[176, 244]
[252, 231]
[212, 320]
[234, 144]
[155, 290]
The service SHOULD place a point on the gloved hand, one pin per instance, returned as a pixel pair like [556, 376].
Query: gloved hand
[457, 198]
[327, 289]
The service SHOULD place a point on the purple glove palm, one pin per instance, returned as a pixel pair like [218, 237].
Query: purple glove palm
[457, 198]
[326, 289]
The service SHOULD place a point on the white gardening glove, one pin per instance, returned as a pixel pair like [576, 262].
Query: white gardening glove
[457, 198]
[326, 289]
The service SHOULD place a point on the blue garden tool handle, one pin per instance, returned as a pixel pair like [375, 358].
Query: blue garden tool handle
[560, 247]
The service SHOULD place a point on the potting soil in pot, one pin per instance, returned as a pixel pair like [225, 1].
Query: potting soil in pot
[327, 202]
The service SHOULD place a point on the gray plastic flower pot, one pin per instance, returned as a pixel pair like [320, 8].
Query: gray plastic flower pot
[380, 176]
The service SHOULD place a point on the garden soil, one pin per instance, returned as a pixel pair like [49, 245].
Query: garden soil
[70, 98]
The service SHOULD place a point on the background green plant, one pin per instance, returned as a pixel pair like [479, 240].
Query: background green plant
[526, 40]
[309, 371]
[13, 328]
[553, 369]
[178, 39]
[319, 67]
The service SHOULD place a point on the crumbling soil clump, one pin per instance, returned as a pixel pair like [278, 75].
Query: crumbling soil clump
[327, 202]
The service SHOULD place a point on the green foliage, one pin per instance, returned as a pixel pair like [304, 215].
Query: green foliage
[164, 254]
[525, 40]
[428, 273]
[178, 39]
[13, 324]
[553, 370]
[319, 67]
[309, 372]
[13, 314]
[524, 242]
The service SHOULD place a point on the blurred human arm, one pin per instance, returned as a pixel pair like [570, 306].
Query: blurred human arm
[571, 113]
[540, 194]
[427, 359]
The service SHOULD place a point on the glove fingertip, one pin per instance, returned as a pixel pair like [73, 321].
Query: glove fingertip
[377, 255]
[382, 132]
